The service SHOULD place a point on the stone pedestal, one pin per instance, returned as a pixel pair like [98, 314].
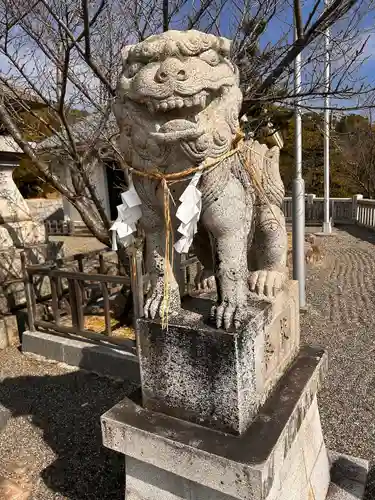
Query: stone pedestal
[281, 456]
[224, 415]
[213, 377]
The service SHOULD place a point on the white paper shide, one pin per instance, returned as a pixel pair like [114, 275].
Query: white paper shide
[129, 212]
[188, 213]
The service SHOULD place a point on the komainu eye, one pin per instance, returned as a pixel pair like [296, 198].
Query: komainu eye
[210, 57]
[133, 69]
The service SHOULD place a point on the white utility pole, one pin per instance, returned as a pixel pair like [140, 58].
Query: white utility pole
[327, 227]
[298, 195]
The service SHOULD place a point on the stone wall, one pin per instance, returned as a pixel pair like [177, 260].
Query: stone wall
[46, 209]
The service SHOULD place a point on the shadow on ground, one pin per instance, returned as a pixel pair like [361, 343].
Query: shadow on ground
[67, 408]
[370, 486]
[359, 232]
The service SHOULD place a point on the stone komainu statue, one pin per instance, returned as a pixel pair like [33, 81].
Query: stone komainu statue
[178, 104]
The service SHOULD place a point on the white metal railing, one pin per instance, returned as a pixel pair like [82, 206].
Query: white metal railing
[353, 210]
[365, 213]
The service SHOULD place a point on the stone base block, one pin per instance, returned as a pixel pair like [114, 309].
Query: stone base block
[281, 456]
[119, 362]
[213, 377]
[149, 482]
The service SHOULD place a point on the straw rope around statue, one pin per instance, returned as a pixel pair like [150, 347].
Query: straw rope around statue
[240, 148]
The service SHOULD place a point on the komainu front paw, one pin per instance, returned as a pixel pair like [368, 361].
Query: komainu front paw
[228, 314]
[268, 283]
[154, 304]
[205, 281]
[233, 308]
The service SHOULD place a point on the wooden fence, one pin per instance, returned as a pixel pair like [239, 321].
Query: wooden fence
[77, 293]
[75, 285]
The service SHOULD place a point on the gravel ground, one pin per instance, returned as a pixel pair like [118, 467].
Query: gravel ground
[55, 429]
[56, 411]
[341, 295]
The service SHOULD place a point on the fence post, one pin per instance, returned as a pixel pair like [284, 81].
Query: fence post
[355, 199]
[29, 293]
[309, 207]
[106, 303]
[80, 260]
[75, 299]
[310, 198]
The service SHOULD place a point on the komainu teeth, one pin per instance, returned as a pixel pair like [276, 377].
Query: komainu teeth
[178, 102]
[171, 104]
[196, 100]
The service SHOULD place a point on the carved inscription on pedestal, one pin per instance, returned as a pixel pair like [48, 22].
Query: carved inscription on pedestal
[276, 342]
[269, 350]
[284, 328]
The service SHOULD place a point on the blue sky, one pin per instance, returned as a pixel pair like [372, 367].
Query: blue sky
[282, 25]
[362, 73]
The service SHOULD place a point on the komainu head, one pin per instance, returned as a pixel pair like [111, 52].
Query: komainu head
[185, 88]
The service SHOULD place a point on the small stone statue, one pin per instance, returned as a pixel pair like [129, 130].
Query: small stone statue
[178, 104]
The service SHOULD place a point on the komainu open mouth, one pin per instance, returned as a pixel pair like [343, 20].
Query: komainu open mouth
[178, 129]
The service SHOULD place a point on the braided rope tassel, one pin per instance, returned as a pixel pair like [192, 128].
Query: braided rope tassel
[168, 257]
